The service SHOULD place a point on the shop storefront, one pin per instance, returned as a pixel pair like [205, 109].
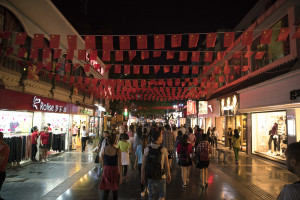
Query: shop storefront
[20, 112]
[233, 119]
[191, 114]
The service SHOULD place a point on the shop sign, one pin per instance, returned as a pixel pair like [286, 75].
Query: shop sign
[229, 105]
[38, 104]
[203, 108]
[86, 111]
[191, 108]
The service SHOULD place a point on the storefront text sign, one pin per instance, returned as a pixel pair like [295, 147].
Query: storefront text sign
[86, 111]
[229, 106]
[203, 107]
[38, 104]
[191, 107]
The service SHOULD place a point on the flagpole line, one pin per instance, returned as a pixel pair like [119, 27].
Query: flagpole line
[152, 34]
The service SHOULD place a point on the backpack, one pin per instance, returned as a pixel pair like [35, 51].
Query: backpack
[153, 164]
[184, 158]
[203, 154]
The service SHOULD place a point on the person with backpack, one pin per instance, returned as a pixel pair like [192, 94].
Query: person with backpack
[184, 150]
[292, 191]
[168, 142]
[138, 160]
[203, 152]
[236, 144]
[112, 168]
[155, 167]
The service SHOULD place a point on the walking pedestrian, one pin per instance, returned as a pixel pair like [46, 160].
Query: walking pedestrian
[168, 142]
[125, 148]
[112, 169]
[209, 135]
[203, 152]
[139, 160]
[155, 167]
[83, 138]
[45, 144]
[236, 143]
[184, 150]
[292, 191]
[4, 154]
[215, 135]
[229, 135]
[34, 137]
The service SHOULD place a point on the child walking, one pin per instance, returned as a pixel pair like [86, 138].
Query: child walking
[125, 148]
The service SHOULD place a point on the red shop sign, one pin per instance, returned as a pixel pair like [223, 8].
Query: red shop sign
[191, 107]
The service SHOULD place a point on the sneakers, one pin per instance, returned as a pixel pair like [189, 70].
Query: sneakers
[43, 160]
[143, 194]
[183, 185]
[47, 160]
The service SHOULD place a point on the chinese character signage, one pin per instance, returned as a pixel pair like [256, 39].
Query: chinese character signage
[202, 108]
[191, 108]
[39, 104]
[229, 106]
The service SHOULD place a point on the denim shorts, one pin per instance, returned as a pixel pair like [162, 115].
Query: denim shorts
[157, 188]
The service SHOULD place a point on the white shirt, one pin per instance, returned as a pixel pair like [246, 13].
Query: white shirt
[121, 129]
[83, 133]
[290, 192]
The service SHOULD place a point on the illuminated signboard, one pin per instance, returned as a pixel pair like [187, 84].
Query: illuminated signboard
[191, 107]
[203, 108]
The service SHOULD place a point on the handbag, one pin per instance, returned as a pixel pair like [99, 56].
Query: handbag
[97, 158]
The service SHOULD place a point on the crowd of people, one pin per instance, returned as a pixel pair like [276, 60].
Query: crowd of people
[154, 148]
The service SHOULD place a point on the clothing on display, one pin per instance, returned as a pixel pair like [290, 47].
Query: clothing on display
[20, 148]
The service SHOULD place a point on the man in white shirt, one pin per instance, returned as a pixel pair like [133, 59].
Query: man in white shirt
[292, 191]
[83, 138]
[121, 128]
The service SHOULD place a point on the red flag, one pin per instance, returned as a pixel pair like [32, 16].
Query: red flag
[20, 38]
[136, 69]
[185, 69]
[67, 67]
[86, 67]
[177, 82]
[156, 54]
[135, 83]
[126, 69]
[259, 55]
[175, 69]
[97, 67]
[220, 55]
[50, 76]
[87, 81]
[81, 54]
[205, 69]
[58, 66]
[141, 42]
[48, 66]
[283, 34]
[247, 38]
[204, 79]
[176, 40]
[57, 78]
[54, 41]
[266, 36]
[195, 70]
[211, 39]
[159, 41]
[169, 82]
[217, 70]
[39, 66]
[46, 53]
[193, 40]
[245, 68]
[21, 52]
[156, 68]
[215, 85]
[132, 54]
[166, 69]
[195, 56]
[146, 69]
[79, 80]
[221, 79]
[107, 42]
[183, 55]
[248, 54]
[143, 83]
[119, 55]
[237, 54]
[65, 79]
[227, 69]
[195, 81]
[228, 39]
[144, 55]
[297, 34]
[70, 54]
[90, 42]
[4, 34]
[72, 41]
[208, 56]
[236, 69]
[124, 42]
[170, 55]
[106, 55]
[72, 80]
[34, 53]
[212, 79]
[38, 41]
[117, 69]
[57, 53]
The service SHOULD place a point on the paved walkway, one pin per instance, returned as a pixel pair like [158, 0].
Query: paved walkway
[73, 175]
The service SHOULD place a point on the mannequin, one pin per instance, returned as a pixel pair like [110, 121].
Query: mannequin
[273, 137]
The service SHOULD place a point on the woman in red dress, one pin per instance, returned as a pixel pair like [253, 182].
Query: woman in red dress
[112, 168]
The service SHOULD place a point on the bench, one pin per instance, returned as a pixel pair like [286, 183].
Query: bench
[225, 154]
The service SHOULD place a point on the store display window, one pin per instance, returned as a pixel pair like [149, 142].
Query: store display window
[13, 122]
[269, 135]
